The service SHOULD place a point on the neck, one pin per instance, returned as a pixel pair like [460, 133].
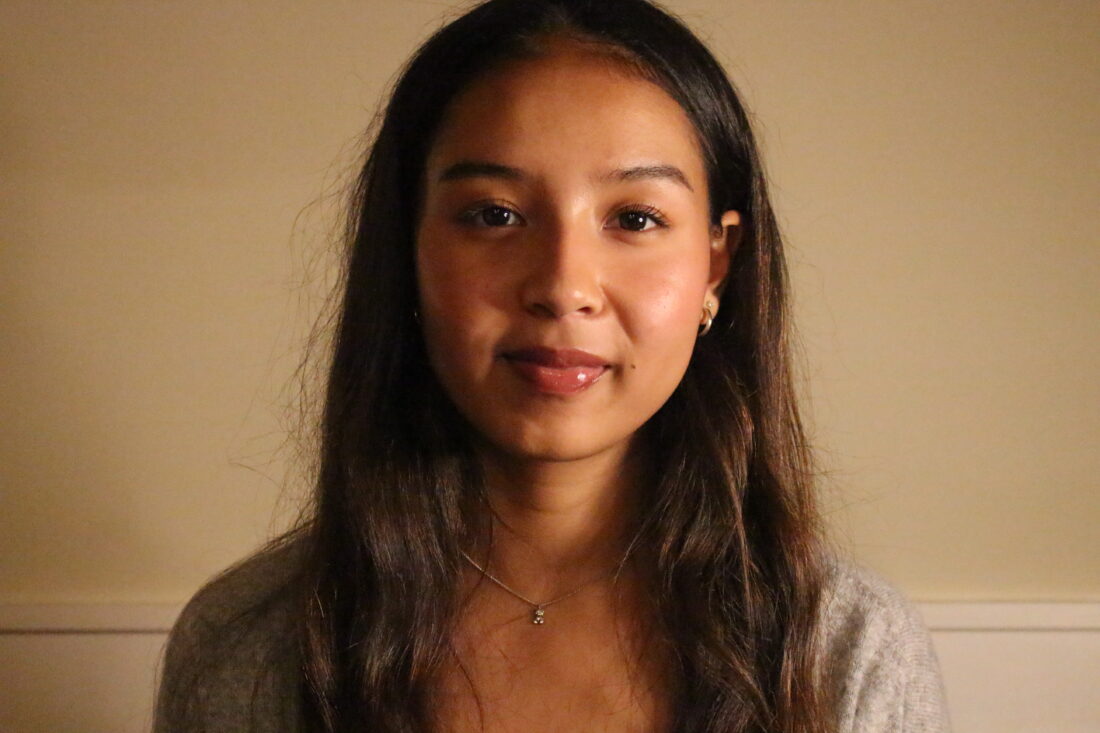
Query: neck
[559, 522]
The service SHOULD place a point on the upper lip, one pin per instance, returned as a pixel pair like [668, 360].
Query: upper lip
[556, 358]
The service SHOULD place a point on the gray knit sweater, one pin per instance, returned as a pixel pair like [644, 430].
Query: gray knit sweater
[231, 660]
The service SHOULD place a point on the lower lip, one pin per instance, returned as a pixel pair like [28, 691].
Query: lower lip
[557, 380]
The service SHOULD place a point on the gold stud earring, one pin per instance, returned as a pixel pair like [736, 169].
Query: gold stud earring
[707, 320]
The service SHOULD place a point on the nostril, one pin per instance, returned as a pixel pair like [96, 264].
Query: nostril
[542, 310]
[564, 286]
[559, 304]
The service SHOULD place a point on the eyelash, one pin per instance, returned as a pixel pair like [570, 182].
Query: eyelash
[470, 216]
[654, 214]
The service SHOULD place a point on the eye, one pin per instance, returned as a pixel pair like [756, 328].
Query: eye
[640, 219]
[491, 215]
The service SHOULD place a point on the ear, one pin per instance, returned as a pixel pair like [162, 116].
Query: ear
[723, 243]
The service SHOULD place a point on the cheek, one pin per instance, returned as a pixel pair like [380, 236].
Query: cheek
[457, 311]
[666, 303]
[443, 287]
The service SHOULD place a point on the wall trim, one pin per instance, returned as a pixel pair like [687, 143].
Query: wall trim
[88, 618]
[121, 618]
[1011, 616]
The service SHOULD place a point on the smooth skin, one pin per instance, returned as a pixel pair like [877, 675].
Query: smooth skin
[565, 207]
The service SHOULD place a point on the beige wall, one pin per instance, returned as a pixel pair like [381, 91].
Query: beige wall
[163, 168]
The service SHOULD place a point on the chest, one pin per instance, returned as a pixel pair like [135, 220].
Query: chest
[577, 671]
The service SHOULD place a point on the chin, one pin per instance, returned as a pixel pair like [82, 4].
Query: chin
[561, 447]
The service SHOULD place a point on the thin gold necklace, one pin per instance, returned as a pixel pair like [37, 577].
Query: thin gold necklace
[538, 610]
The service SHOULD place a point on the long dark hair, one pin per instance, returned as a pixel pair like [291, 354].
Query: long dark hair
[731, 523]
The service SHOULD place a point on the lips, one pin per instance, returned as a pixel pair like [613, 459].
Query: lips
[557, 371]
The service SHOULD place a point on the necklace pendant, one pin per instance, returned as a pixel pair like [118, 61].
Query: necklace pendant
[537, 617]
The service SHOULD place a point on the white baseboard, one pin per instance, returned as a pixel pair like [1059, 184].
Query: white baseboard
[1011, 616]
[59, 618]
[1007, 667]
[158, 618]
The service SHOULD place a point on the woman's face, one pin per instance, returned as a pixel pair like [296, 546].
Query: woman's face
[564, 254]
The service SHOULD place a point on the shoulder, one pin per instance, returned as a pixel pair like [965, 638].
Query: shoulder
[257, 584]
[878, 657]
[232, 653]
[860, 606]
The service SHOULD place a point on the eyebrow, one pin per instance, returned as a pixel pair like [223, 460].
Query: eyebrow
[480, 169]
[465, 169]
[642, 172]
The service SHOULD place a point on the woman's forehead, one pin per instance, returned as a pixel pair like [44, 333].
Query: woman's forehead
[569, 105]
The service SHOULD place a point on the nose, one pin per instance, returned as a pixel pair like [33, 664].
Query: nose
[564, 278]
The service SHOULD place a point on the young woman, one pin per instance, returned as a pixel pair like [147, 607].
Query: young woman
[563, 483]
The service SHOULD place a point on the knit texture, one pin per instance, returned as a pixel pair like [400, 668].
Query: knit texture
[879, 661]
[233, 651]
